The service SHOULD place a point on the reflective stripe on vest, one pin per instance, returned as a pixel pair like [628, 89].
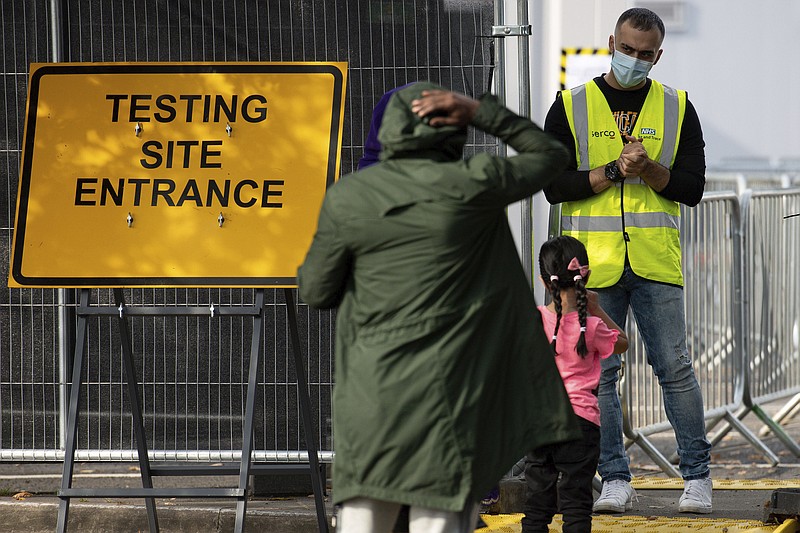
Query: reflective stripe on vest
[649, 229]
[671, 122]
[614, 223]
[581, 114]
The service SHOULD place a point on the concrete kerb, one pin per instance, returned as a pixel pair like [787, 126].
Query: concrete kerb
[39, 514]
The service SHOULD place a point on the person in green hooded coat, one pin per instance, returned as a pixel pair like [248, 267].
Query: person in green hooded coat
[443, 375]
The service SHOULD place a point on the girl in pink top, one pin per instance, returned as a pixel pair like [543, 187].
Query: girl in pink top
[582, 334]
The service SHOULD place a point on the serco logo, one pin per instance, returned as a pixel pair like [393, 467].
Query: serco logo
[604, 133]
[648, 131]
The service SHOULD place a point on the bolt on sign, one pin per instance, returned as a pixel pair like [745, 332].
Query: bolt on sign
[174, 174]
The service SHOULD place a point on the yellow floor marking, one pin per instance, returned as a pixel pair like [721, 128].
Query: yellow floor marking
[510, 523]
[721, 484]
[789, 526]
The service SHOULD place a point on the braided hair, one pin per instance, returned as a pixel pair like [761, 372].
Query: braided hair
[554, 260]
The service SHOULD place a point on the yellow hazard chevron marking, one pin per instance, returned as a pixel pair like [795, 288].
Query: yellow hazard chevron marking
[566, 52]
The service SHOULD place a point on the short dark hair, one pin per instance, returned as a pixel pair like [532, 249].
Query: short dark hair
[642, 19]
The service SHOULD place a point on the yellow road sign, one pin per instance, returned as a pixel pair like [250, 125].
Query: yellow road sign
[174, 174]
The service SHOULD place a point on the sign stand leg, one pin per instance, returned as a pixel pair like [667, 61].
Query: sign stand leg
[132, 385]
[147, 471]
[72, 416]
[305, 411]
[247, 431]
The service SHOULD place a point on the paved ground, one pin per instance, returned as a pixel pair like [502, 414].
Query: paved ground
[745, 482]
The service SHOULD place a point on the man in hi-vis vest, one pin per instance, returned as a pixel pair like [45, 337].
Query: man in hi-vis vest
[638, 154]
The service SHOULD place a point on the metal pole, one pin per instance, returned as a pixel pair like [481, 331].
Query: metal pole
[56, 33]
[499, 61]
[510, 80]
[63, 364]
[526, 212]
[57, 53]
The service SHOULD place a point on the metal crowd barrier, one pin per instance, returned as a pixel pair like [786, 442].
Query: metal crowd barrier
[772, 307]
[741, 266]
[742, 289]
[753, 176]
[712, 249]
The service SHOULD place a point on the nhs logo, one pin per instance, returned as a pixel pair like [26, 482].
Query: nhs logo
[648, 131]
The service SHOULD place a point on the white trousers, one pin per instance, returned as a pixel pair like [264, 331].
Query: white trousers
[365, 515]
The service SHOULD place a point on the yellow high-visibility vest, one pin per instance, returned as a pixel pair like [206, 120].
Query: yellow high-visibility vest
[630, 216]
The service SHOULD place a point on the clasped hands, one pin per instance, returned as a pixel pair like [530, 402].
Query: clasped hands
[633, 161]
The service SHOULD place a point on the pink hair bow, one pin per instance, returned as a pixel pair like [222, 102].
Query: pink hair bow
[574, 265]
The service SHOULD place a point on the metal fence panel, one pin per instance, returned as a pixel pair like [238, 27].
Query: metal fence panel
[29, 370]
[193, 369]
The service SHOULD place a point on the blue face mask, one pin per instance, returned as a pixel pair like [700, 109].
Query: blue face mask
[628, 70]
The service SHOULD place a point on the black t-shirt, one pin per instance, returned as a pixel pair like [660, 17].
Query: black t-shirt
[687, 175]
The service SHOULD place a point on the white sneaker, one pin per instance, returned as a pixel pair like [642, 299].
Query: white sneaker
[617, 496]
[696, 496]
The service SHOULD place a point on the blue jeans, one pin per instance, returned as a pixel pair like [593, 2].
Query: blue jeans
[659, 313]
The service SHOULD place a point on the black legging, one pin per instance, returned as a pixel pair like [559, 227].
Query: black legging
[576, 461]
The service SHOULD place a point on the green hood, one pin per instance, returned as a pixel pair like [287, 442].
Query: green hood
[403, 134]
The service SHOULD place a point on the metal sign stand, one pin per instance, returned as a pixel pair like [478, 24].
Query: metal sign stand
[245, 467]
